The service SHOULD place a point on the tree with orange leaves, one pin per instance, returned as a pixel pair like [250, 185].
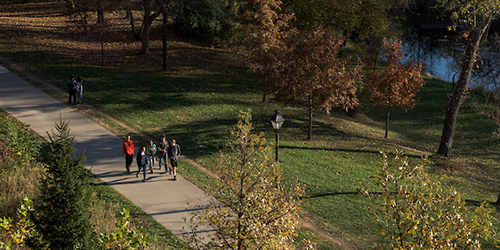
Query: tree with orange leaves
[265, 30]
[311, 71]
[395, 84]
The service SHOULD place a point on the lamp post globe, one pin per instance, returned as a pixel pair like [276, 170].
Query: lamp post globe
[277, 121]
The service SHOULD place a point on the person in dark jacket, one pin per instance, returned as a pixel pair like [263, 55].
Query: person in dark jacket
[163, 153]
[142, 162]
[72, 90]
[174, 151]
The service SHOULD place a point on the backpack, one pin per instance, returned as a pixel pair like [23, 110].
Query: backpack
[72, 84]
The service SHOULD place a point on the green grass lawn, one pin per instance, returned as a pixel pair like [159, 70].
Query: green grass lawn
[197, 102]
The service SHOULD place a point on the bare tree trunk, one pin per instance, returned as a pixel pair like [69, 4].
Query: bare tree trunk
[71, 6]
[264, 86]
[146, 27]
[387, 121]
[102, 50]
[458, 92]
[149, 17]
[100, 20]
[100, 12]
[130, 16]
[498, 200]
[264, 94]
[164, 38]
[309, 132]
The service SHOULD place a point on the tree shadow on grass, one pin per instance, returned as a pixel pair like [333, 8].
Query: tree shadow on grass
[312, 196]
[199, 138]
[152, 92]
[374, 152]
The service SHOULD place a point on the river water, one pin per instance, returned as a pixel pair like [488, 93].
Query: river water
[443, 62]
[436, 60]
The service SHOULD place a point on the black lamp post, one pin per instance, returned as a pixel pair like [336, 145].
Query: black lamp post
[277, 121]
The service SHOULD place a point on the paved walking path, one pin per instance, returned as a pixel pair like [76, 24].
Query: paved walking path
[161, 197]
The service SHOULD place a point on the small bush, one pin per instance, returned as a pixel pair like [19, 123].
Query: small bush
[263, 212]
[24, 146]
[14, 233]
[416, 212]
[125, 236]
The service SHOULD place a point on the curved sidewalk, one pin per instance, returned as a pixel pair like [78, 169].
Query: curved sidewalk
[161, 197]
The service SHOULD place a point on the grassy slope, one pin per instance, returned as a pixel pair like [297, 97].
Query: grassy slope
[197, 102]
[16, 183]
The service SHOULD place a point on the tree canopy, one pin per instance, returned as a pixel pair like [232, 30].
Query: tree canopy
[395, 85]
[365, 22]
[265, 30]
[259, 210]
[312, 72]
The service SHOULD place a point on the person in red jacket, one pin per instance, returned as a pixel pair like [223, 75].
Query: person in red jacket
[128, 150]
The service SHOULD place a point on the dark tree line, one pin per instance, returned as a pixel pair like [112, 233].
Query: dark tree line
[207, 20]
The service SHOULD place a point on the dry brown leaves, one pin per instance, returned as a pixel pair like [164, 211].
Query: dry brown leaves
[43, 25]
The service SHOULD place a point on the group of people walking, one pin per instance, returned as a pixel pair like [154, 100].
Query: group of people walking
[148, 154]
[75, 90]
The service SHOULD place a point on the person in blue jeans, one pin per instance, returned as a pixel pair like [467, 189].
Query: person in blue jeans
[141, 162]
[151, 154]
[163, 153]
[79, 90]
